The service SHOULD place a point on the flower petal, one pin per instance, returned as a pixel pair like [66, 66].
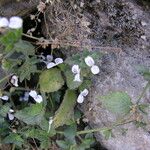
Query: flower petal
[26, 96]
[33, 93]
[75, 69]
[38, 99]
[5, 98]
[15, 22]
[51, 65]
[49, 58]
[95, 69]
[11, 110]
[89, 61]
[14, 80]
[80, 99]
[11, 116]
[84, 92]
[59, 61]
[77, 78]
[4, 22]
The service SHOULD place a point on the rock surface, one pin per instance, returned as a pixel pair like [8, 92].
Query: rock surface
[123, 28]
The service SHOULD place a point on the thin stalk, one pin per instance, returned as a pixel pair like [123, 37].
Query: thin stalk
[143, 92]
[5, 78]
[101, 129]
[32, 37]
[13, 147]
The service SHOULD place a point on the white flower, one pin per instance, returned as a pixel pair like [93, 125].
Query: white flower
[5, 98]
[85, 92]
[14, 80]
[91, 63]
[51, 65]
[80, 99]
[82, 95]
[35, 96]
[10, 115]
[77, 78]
[56, 62]
[50, 123]
[76, 70]
[95, 69]
[4, 22]
[15, 22]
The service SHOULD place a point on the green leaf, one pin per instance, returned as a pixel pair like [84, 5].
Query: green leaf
[70, 133]
[10, 38]
[14, 138]
[28, 67]
[4, 127]
[25, 47]
[117, 102]
[4, 109]
[51, 80]
[145, 71]
[69, 80]
[63, 144]
[36, 133]
[66, 108]
[32, 115]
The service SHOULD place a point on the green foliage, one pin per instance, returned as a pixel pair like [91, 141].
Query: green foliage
[4, 110]
[27, 68]
[13, 138]
[24, 47]
[73, 143]
[32, 115]
[65, 111]
[117, 102]
[10, 38]
[69, 80]
[51, 80]
[145, 71]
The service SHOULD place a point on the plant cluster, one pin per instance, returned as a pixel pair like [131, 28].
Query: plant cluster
[40, 93]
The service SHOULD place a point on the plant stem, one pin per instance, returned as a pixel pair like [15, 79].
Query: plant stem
[13, 147]
[100, 129]
[32, 37]
[5, 78]
[143, 92]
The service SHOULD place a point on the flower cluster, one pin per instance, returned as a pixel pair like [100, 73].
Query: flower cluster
[48, 61]
[76, 70]
[14, 22]
[91, 63]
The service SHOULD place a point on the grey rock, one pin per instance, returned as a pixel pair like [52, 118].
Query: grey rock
[113, 26]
